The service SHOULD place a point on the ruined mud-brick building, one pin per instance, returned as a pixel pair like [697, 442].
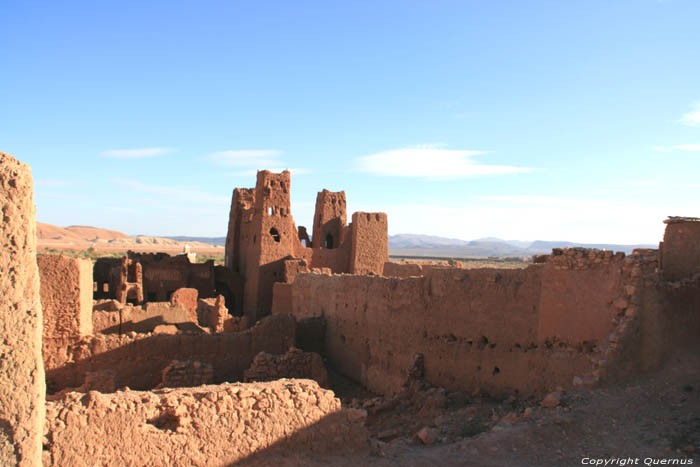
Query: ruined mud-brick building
[120, 368]
[264, 246]
[154, 277]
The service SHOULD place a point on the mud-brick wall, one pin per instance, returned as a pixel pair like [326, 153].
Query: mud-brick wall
[137, 360]
[460, 320]
[66, 295]
[203, 426]
[479, 328]
[580, 293]
[22, 389]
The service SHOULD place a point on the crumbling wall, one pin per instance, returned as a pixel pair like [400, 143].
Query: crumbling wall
[130, 287]
[579, 292]
[294, 364]
[138, 359]
[22, 387]
[112, 317]
[370, 243]
[212, 313]
[204, 426]
[187, 299]
[500, 330]
[66, 295]
[680, 250]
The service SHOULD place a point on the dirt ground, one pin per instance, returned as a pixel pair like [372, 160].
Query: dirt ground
[648, 418]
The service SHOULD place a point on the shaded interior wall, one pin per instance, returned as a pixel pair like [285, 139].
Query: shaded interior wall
[671, 317]
[242, 201]
[206, 425]
[137, 360]
[229, 284]
[22, 388]
[680, 250]
[106, 277]
[494, 329]
[66, 295]
[370, 243]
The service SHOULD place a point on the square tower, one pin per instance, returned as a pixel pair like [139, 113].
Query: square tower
[329, 220]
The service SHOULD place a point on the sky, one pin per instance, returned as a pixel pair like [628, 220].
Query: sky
[542, 120]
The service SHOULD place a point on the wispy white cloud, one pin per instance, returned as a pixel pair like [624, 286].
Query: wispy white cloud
[692, 118]
[431, 161]
[677, 147]
[141, 153]
[687, 147]
[254, 158]
[176, 194]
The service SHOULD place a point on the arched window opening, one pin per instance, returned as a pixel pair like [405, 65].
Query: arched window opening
[328, 243]
[275, 234]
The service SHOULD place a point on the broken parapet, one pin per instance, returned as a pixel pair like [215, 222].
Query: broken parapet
[207, 425]
[22, 387]
[578, 258]
[187, 299]
[213, 314]
[293, 364]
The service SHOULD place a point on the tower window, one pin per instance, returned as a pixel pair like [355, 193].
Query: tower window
[275, 234]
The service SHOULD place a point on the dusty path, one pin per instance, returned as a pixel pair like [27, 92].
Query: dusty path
[650, 418]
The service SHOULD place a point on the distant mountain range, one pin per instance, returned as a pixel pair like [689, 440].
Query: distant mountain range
[220, 241]
[428, 245]
[399, 245]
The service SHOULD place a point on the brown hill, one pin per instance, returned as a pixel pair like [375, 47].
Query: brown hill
[53, 233]
[93, 233]
[75, 233]
[79, 237]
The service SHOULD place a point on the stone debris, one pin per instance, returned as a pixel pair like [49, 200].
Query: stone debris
[427, 435]
[551, 400]
[293, 364]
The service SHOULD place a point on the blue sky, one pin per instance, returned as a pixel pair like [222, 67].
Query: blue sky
[550, 120]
